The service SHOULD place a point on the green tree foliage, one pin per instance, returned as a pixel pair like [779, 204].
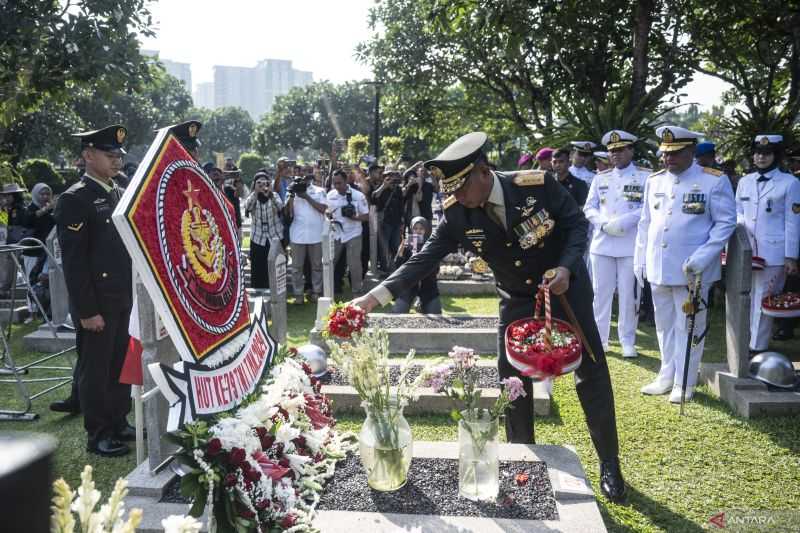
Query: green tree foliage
[9, 175]
[357, 146]
[553, 69]
[35, 171]
[392, 148]
[158, 101]
[249, 163]
[315, 115]
[754, 45]
[51, 49]
[228, 130]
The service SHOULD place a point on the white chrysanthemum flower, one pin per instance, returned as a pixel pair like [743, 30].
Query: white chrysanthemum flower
[297, 462]
[285, 434]
[234, 433]
[315, 438]
[181, 524]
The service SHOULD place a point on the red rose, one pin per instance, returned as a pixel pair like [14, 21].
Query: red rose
[213, 447]
[230, 480]
[252, 474]
[246, 513]
[288, 521]
[262, 504]
[284, 462]
[267, 441]
[521, 478]
[261, 431]
[237, 457]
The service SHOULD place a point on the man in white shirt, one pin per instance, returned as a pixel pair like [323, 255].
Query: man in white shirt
[688, 215]
[347, 209]
[613, 207]
[768, 206]
[306, 205]
[582, 152]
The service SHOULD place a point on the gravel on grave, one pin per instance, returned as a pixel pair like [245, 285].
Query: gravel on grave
[432, 489]
[487, 376]
[424, 322]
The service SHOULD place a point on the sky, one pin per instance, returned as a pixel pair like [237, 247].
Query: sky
[316, 35]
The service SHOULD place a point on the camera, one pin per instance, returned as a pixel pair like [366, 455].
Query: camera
[349, 210]
[298, 185]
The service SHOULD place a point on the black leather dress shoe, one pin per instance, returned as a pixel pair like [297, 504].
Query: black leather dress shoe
[127, 433]
[65, 406]
[107, 447]
[611, 483]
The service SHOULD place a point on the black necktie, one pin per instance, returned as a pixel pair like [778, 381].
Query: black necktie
[762, 177]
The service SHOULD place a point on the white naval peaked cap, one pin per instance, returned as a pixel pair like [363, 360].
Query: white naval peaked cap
[584, 146]
[766, 139]
[674, 138]
[601, 155]
[618, 139]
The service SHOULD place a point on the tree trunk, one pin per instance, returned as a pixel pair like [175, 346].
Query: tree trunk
[643, 20]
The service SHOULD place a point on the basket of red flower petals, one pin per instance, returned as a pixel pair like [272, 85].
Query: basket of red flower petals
[784, 305]
[344, 320]
[543, 347]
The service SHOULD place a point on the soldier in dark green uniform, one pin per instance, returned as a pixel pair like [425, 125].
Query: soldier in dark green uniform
[97, 270]
[523, 224]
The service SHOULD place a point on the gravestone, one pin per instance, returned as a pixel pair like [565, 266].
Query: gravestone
[59, 299]
[738, 281]
[373, 240]
[328, 254]
[276, 269]
[157, 347]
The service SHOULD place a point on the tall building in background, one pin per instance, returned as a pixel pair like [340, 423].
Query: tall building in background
[203, 95]
[255, 89]
[182, 71]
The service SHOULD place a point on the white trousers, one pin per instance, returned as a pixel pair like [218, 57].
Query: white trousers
[765, 283]
[672, 330]
[609, 273]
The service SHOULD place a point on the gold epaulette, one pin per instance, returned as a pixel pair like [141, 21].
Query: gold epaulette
[654, 174]
[450, 201]
[529, 177]
[713, 171]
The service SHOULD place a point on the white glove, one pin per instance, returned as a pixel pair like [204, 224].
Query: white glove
[613, 228]
[691, 267]
[638, 272]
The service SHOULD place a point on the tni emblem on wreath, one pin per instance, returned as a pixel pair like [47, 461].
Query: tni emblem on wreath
[202, 243]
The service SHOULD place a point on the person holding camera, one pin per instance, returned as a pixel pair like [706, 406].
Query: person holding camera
[390, 201]
[418, 193]
[306, 206]
[427, 289]
[347, 209]
[266, 208]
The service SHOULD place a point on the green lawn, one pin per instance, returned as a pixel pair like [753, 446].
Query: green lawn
[681, 470]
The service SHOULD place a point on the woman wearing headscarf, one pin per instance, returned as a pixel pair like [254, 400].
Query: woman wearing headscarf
[39, 221]
[427, 289]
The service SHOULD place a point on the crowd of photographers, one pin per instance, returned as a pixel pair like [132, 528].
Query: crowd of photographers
[291, 202]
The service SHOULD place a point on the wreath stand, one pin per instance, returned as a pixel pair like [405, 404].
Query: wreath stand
[9, 366]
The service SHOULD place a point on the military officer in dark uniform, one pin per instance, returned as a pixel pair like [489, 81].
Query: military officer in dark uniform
[523, 224]
[577, 188]
[186, 133]
[97, 270]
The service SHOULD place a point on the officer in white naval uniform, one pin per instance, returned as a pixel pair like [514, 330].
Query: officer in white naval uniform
[688, 215]
[768, 206]
[614, 207]
[582, 152]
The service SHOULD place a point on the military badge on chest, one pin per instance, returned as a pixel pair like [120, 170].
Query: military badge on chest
[477, 238]
[633, 192]
[694, 203]
[532, 231]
